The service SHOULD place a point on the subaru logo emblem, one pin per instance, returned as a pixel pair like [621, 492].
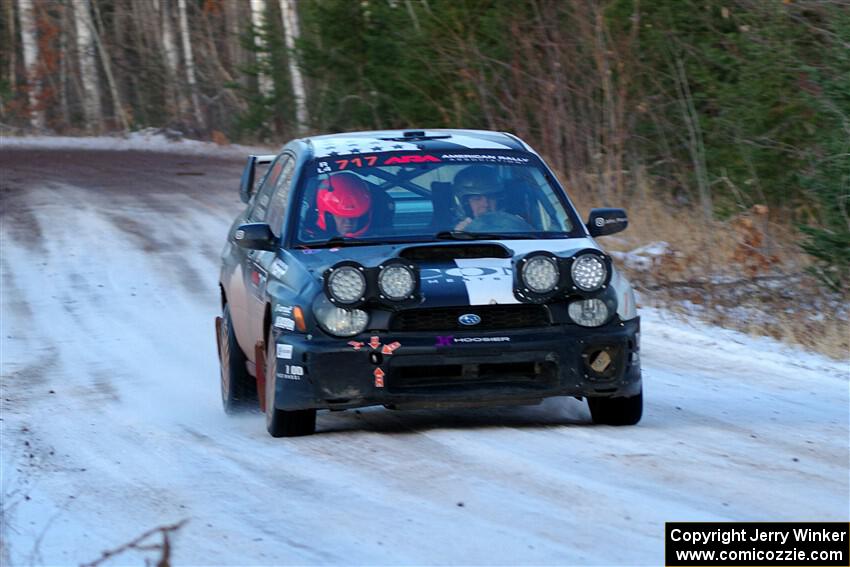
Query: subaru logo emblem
[469, 319]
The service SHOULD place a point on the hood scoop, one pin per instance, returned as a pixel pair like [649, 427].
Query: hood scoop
[447, 252]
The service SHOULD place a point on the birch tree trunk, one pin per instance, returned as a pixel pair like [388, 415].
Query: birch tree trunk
[29, 42]
[172, 58]
[117, 108]
[291, 32]
[236, 54]
[86, 47]
[13, 42]
[64, 52]
[258, 19]
[190, 63]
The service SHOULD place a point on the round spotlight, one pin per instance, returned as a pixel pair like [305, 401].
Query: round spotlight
[540, 274]
[396, 282]
[589, 272]
[588, 312]
[346, 285]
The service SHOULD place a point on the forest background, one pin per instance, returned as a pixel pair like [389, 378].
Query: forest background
[723, 126]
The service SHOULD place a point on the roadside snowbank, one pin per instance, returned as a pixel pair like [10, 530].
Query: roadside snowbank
[149, 140]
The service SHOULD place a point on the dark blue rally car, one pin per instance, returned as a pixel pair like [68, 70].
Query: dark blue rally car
[420, 269]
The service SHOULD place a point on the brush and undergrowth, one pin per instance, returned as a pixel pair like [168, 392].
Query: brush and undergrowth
[748, 273]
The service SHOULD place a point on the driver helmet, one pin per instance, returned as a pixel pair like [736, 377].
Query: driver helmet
[344, 195]
[477, 180]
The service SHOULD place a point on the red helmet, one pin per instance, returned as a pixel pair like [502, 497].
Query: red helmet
[344, 195]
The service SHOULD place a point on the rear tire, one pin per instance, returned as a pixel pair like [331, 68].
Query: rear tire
[281, 423]
[616, 411]
[238, 388]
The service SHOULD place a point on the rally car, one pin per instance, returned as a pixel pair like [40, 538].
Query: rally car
[420, 269]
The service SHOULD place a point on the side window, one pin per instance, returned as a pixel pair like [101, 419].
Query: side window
[263, 196]
[277, 207]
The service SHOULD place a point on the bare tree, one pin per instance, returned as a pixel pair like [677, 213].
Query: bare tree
[258, 19]
[237, 56]
[291, 32]
[189, 63]
[29, 41]
[171, 55]
[13, 41]
[88, 65]
[105, 60]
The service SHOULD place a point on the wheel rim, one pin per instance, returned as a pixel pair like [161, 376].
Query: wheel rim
[225, 359]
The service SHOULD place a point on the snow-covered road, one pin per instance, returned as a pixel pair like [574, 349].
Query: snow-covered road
[112, 422]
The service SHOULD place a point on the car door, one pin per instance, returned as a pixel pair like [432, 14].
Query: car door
[260, 260]
[251, 278]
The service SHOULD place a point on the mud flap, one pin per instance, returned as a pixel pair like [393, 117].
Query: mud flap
[260, 371]
[218, 321]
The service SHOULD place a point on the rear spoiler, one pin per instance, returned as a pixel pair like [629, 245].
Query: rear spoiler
[246, 184]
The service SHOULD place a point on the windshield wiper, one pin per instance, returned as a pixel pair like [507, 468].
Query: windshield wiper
[463, 235]
[341, 241]
[453, 235]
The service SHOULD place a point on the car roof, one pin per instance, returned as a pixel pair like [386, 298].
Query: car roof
[412, 140]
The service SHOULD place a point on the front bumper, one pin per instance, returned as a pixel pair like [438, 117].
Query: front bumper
[412, 370]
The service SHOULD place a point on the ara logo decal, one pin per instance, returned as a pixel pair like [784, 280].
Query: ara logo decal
[469, 319]
[356, 345]
[374, 342]
[414, 158]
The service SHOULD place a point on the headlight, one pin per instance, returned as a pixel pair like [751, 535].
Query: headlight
[338, 321]
[396, 282]
[346, 285]
[588, 312]
[589, 272]
[540, 274]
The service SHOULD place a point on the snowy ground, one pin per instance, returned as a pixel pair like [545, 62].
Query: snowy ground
[112, 425]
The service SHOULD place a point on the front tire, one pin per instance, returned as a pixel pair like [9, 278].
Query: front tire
[281, 423]
[616, 411]
[238, 388]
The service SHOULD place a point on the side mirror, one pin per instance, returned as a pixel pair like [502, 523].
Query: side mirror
[602, 222]
[256, 236]
[246, 183]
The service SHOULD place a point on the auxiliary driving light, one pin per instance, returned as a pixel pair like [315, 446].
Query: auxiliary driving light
[346, 284]
[589, 272]
[540, 274]
[397, 281]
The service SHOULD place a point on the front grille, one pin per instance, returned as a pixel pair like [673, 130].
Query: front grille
[420, 379]
[492, 317]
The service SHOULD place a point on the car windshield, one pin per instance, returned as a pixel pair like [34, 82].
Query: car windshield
[404, 196]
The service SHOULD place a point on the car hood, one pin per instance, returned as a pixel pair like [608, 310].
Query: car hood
[444, 283]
